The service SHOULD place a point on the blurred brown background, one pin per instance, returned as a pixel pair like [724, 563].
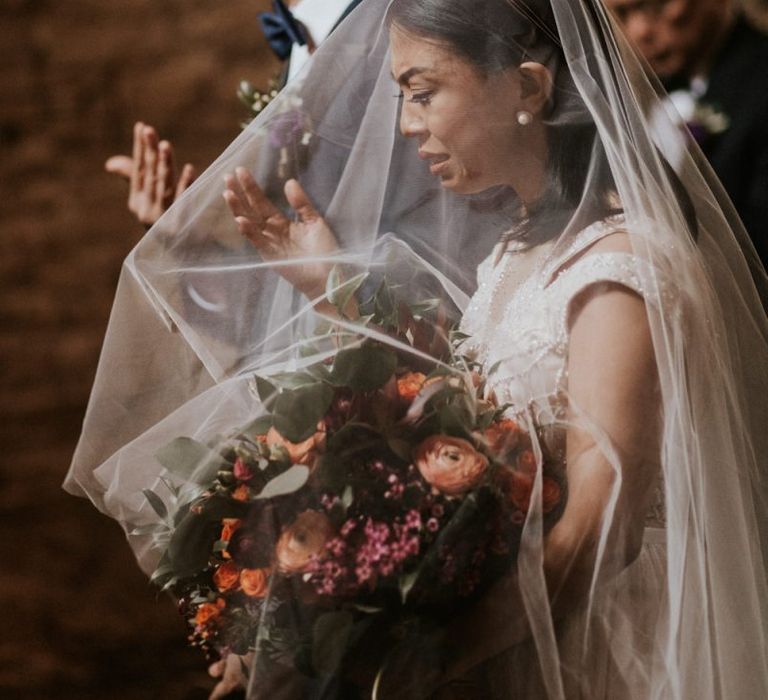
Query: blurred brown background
[80, 621]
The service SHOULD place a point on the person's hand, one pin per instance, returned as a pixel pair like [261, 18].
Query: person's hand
[279, 238]
[231, 672]
[151, 173]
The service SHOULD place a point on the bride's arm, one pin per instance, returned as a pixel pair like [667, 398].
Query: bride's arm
[613, 406]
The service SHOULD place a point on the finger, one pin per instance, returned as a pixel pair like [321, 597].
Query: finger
[150, 157]
[255, 196]
[120, 165]
[300, 202]
[236, 204]
[164, 189]
[187, 177]
[138, 157]
[221, 690]
[216, 668]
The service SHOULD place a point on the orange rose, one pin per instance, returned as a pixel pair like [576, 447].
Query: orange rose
[410, 384]
[302, 541]
[209, 611]
[241, 493]
[228, 527]
[551, 494]
[300, 452]
[254, 582]
[226, 577]
[503, 436]
[451, 465]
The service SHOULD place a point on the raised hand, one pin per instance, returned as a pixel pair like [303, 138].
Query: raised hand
[279, 238]
[151, 172]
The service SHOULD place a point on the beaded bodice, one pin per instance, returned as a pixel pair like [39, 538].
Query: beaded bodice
[518, 320]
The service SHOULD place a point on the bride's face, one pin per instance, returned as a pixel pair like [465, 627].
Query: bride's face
[464, 121]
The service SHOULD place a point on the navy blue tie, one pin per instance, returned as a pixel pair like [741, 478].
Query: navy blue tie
[281, 29]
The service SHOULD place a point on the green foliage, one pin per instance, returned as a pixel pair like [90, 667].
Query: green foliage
[364, 368]
[190, 460]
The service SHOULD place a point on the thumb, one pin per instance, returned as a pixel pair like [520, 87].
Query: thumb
[119, 165]
[216, 669]
[300, 202]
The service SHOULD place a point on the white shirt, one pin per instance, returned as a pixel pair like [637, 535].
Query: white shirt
[319, 17]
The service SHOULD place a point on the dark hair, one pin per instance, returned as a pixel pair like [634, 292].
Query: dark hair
[495, 35]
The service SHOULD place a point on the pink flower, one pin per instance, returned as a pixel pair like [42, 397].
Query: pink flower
[242, 471]
[450, 465]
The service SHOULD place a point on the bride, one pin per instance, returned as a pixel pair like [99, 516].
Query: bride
[609, 301]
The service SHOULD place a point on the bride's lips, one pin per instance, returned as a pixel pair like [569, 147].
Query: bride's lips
[438, 163]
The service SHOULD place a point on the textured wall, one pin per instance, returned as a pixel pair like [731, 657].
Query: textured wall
[80, 621]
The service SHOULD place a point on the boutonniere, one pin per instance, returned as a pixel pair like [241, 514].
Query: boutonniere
[256, 100]
[702, 119]
[289, 128]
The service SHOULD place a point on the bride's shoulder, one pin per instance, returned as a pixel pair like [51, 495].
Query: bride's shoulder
[609, 251]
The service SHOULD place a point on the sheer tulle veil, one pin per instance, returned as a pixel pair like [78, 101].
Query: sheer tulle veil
[198, 313]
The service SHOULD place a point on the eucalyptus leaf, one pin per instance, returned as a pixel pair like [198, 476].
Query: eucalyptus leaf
[156, 502]
[190, 460]
[364, 368]
[297, 412]
[341, 294]
[288, 482]
[266, 390]
[293, 380]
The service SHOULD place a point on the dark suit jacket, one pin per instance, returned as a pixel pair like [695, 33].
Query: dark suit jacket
[738, 86]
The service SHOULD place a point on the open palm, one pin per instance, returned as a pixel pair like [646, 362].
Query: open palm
[295, 244]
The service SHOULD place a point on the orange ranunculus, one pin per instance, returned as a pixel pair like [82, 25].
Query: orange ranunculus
[209, 611]
[503, 436]
[226, 577]
[526, 462]
[410, 384]
[450, 465]
[254, 582]
[241, 493]
[302, 541]
[550, 494]
[302, 452]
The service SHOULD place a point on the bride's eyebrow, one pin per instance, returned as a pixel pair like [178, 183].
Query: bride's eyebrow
[405, 77]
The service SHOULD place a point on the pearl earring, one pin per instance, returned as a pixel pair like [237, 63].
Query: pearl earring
[524, 118]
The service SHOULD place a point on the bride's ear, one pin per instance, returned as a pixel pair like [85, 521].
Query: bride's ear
[535, 86]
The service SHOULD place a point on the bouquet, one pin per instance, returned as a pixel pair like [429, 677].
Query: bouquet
[377, 487]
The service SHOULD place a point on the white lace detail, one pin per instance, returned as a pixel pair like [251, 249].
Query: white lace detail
[518, 319]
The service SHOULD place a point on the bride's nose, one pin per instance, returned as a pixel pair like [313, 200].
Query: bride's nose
[411, 123]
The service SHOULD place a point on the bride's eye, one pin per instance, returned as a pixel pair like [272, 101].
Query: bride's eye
[421, 98]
